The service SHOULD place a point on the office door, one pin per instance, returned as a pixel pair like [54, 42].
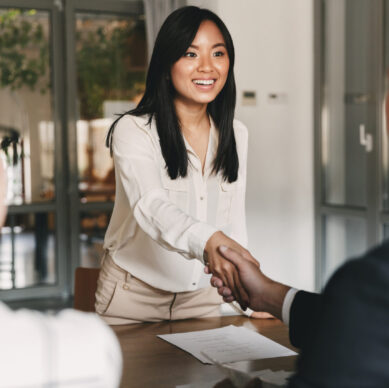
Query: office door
[348, 139]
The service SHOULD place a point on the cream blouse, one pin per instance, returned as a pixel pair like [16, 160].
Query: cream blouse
[159, 226]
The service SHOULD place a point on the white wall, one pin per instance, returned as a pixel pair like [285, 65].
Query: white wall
[274, 54]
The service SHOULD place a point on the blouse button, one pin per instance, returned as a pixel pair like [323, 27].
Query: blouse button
[125, 287]
[201, 198]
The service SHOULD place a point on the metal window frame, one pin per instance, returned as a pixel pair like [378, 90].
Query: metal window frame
[318, 52]
[113, 7]
[66, 206]
[58, 206]
[383, 215]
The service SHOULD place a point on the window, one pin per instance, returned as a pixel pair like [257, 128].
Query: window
[54, 117]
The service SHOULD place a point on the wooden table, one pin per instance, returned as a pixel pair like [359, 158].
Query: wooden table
[149, 361]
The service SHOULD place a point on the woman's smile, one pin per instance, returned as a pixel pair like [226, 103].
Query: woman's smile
[205, 84]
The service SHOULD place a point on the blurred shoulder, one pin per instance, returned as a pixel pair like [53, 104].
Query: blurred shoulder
[130, 122]
[129, 127]
[132, 133]
[368, 274]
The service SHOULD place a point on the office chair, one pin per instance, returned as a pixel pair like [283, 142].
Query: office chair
[85, 286]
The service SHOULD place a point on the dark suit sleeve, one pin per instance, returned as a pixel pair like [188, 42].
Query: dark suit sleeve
[344, 342]
[303, 317]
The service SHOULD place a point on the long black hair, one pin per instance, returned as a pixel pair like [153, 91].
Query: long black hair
[175, 36]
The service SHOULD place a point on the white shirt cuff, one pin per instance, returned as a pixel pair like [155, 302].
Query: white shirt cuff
[235, 305]
[288, 300]
[200, 233]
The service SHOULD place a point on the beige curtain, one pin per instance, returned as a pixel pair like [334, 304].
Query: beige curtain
[156, 12]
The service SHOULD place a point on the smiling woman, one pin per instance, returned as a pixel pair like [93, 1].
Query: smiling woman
[180, 165]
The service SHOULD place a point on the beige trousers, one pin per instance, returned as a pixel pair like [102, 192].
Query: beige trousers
[122, 299]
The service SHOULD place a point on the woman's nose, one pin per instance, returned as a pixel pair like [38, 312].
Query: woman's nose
[205, 64]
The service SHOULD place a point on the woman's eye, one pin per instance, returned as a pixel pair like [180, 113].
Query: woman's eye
[218, 54]
[189, 54]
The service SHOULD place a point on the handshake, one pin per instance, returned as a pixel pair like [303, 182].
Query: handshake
[237, 276]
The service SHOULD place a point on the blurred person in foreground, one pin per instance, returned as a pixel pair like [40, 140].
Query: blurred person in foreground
[343, 333]
[72, 349]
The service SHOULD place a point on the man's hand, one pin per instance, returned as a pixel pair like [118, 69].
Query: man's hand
[223, 269]
[264, 294]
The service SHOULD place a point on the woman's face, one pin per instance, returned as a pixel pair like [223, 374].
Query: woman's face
[199, 76]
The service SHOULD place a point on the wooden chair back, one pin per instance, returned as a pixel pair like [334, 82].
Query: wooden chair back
[85, 286]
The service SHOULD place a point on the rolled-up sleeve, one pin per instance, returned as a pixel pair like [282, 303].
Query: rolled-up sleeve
[139, 170]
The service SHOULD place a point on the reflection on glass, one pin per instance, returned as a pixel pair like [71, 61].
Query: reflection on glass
[26, 123]
[349, 104]
[27, 251]
[344, 238]
[93, 227]
[111, 69]
[385, 110]
[386, 231]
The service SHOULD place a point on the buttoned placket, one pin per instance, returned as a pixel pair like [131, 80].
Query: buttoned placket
[200, 184]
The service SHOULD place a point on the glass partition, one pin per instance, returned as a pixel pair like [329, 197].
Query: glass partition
[27, 134]
[344, 238]
[347, 115]
[66, 69]
[92, 232]
[111, 69]
[385, 110]
[349, 99]
[27, 251]
[26, 119]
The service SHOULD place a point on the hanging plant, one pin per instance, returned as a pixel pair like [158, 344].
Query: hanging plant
[24, 51]
[111, 64]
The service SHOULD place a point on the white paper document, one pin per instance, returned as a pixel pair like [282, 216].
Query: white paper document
[227, 344]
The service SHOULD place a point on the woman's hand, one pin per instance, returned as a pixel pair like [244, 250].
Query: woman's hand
[265, 294]
[261, 315]
[225, 270]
